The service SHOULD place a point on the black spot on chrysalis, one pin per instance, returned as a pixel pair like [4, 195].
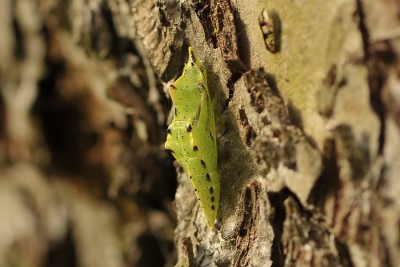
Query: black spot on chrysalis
[189, 128]
[169, 131]
[212, 199]
[211, 190]
[203, 163]
[212, 207]
[208, 178]
[173, 86]
[195, 148]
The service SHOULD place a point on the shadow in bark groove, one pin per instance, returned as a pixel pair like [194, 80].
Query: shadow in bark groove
[328, 183]
[276, 201]
[62, 254]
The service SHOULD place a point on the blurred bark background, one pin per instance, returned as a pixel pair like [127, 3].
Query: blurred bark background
[307, 100]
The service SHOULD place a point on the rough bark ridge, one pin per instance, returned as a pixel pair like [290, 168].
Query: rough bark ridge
[307, 103]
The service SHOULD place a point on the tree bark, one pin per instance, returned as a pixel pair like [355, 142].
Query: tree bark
[306, 98]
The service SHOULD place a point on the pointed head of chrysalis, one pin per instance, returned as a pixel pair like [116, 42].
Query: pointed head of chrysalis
[191, 87]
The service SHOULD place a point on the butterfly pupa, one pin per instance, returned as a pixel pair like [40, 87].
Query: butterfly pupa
[191, 136]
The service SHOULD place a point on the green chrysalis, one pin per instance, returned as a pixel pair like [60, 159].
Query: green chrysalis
[191, 135]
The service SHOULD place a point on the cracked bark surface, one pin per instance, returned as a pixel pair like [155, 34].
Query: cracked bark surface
[307, 104]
